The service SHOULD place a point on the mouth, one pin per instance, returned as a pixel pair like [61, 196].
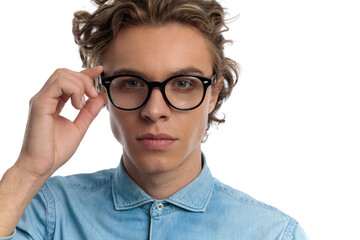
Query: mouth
[156, 141]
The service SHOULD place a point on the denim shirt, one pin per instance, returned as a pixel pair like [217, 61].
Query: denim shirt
[109, 205]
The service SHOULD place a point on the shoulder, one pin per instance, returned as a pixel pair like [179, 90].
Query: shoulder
[73, 188]
[248, 213]
[236, 197]
[85, 182]
[65, 196]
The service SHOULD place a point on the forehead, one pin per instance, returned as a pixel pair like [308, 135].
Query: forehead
[158, 51]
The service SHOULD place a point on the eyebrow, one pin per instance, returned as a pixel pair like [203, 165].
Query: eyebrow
[189, 70]
[183, 71]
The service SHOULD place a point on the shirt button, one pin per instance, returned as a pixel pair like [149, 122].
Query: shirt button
[160, 206]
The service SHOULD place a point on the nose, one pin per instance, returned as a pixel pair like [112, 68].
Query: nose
[156, 108]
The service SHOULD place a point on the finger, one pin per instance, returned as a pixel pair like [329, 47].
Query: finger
[88, 84]
[60, 91]
[83, 81]
[62, 100]
[89, 112]
[93, 72]
[58, 73]
[86, 77]
[74, 91]
[65, 84]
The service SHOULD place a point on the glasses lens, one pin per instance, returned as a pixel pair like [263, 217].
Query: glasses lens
[184, 92]
[128, 92]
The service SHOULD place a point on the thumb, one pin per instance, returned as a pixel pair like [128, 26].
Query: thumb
[89, 112]
[93, 72]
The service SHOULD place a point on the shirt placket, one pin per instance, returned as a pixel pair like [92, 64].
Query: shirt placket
[157, 210]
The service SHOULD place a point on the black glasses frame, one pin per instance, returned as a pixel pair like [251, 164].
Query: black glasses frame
[106, 81]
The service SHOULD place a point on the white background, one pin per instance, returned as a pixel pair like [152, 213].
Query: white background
[292, 134]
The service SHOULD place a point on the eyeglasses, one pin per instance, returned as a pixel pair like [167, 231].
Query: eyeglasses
[182, 92]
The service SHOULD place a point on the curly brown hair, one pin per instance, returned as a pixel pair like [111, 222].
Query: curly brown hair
[94, 31]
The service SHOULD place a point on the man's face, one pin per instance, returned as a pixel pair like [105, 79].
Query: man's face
[158, 138]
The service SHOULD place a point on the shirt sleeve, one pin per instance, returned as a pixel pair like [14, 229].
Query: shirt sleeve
[38, 220]
[294, 231]
[299, 233]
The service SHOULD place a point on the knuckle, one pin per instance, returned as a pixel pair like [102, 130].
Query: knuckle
[58, 71]
[61, 72]
[35, 99]
[35, 103]
[32, 100]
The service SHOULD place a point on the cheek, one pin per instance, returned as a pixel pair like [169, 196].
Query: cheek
[115, 127]
[118, 123]
[198, 123]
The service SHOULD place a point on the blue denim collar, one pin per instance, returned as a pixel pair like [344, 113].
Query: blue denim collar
[193, 197]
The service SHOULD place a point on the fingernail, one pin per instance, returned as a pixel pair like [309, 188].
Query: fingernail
[83, 102]
[93, 90]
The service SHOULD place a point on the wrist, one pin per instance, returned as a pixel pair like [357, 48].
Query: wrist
[17, 188]
[25, 166]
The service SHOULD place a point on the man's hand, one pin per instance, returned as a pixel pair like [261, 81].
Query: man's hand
[50, 139]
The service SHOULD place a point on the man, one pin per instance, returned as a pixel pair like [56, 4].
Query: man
[164, 76]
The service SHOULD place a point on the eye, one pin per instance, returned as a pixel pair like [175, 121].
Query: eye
[131, 83]
[126, 83]
[182, 83]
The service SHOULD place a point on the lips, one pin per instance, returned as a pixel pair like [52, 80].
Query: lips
[156, 141]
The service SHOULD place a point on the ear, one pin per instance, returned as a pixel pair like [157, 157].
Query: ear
[216, 88]
[107, 104]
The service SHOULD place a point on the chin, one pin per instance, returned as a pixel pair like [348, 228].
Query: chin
[155, 161]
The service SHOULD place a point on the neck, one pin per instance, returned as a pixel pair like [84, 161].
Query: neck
[162, 183]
